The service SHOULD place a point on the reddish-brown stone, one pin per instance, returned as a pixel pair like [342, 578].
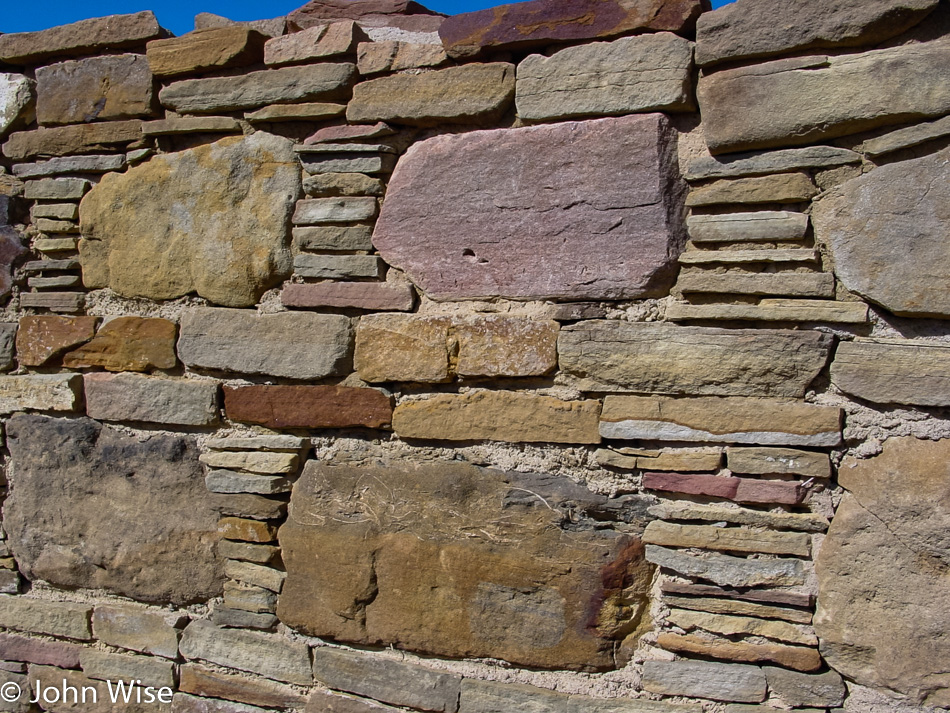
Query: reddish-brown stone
[332, 134]
[711, 485]
[770, 596]
[40, 339]
[543, 22]
[128, 344]
[377, 296]
[308, 406]
[769, 491]
[588, 210]
[799, 658]
[318, 12]
[50, 653]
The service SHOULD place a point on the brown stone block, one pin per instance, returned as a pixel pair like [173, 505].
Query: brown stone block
[128, 344]
[39, 651]
[375, 296]
[799, 658]
[211, 48]
[236, 528]
[308, 406]
[65, 140]
[710, 485]
[203, 681]
[42, 338]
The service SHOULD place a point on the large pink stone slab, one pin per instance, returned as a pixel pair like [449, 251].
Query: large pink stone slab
[586, 210]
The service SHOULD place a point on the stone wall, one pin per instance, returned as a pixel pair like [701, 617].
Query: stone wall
[565, 357]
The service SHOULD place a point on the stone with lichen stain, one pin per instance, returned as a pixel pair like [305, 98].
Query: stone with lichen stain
[42, 338]
[16, 97]
[128, 344]
[185, 234]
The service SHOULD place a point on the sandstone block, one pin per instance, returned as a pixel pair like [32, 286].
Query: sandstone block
[758, 163]
[20, 704]
[39, 651]
[192, 125]
[334, 210]
[774, 310]
[760, 226]
[315, 82]
[794, 102]
[728, 539]
[274, 657]
[744, 490]
[666, 359]
[740, 516]
[65, 140]
[546, 22]
[317, 42]
[347, 162]
[345, 132]
[462, 224]
[328, 702]
[906, 138]
[864, 223]
[728, 625]
[203, 681]
[145, 519]
[498, 416]
[308, 111]
[727, 570]
[371, 296]
[91, 695]
[11, 247]
[771, 596]
[728, 606]
[70, 164]
[56, 189]
[16, 98]
[295, 345]
[183, 703]
[274, 27]
[787, 284]
[235, 528]
[497, 697]
[58, 211]
[777, 188]
[334, 237]
[255, 575]
[251, 461]
[336, 267]
[764, 255]
[79, 38]
[308, 406]
[702, 679]
[720, 420]
[799, 658]
[402, 348]
[93, 89]
[255, 507]
[826, 690]
[229, 481]
[506, 346]
[131, 397]
[128, 344]
[904, 372]
[401, 684]
[69, 302]
[248, 552]
[63, 619]
[470, 93]
[632, 74]
[40, 392]
[118, 667]
[395, 56]
[229, 257]
[778, 461]
[343, 184]
[244, 597]
[40, 339]
[257, 443]
[206, 49]
[756, 29]
[135, 629]
[8, 332]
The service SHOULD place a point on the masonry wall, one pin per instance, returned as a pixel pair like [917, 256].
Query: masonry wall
[548, 358]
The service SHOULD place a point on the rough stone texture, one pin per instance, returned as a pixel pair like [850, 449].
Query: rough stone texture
[203, 681]
[902, 372]
[229, 481]
[139, 507]
[327, 702]
[128, 344]
[506, 346]
[632, 74]
[70, 164]
[234, 528]
[497, 697]
[192, 125]
[257, 443]
[743, 490]
[402, 348]
[343, 184]
[315, 211]
[885, 232]
[474, 92]
[135, 629]
[205, 244]
[546, 22]
[11, 247]
[498, 416]
[39, 651]
[67, 620]
[826, 690]
[778, 461]
[666, 359]
[887, 551]
[578, 210]
[791, 284]
[906, 138]
[20, 704]
[308, 406]
[515, 587]
[42, 392]
[97, 698]
[147, 670]
[757, 28]
[703, 679]
[131, 397]
[344, 132]
[274, 27]
[320, 11]
[766, 162]
[727, 570]
[251, 506]
[799, 658]
[747, 227]
[721, 420]
[183, 703]
[394, 56]
[40, 339]
[93, 89]
[372, 296]
[16, 96]
[248, 552]
[8, 332]
[729, 606]
[337, 267]
[779, 188]
[728, 539]
[773, 310]
[66, 140]
[745, 257]
[401, 684]
[247, 91]
[309, 111]
[313, 43]
[800, 101]
[79, 38]
[295, 345]
[728, 625]
[251, 461]
[274, 657]
[202, 50]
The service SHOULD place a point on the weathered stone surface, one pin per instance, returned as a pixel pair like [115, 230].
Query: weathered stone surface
[93, 89]
[69, 302]
[906, 138]
[473, 92]
[385, 680]
[665, 359]
[794, 102]
[865, 224]
[790, 284]
[148, 670]
[203, 681]
[632, 74]
[229, 481]
[40, 339]
[274, 657]
[39, 651]
[721, 420]
[773, 310]
[728, 625]
[11, 247]
[140, 509]
[680, 459]
[131, 397]
[315, 211]
[296, 345]
[605, 225]
[320, 11]
[887, 551]
[893, 371]
[79, 38]
[343, 184]
[206, 246]
[317, 42]
[337, 267]
[348, 162]
[778, 461]
[128, 344]
[545, 22]
[19, 704]
[248, 552]
[247, 91]
[63, 619]
[372, 296]
[496, 697]
[826, 690]
[256, 507]
[42, 392]
[402, 348]
[799, 658]
[747, 227]
[763, 255]
[16, 97]
[743, 490]
[56, 226]
[728, 539]
[135, 629]
[328, 702]
[345, 132]
[8, 332]
[58, 211]
[517, 587]
[766, 162]
[702, 679]
[263, 462]
[91, 695]
[308, 406]
[183, 703]
[308, 111]
[255, 575]
[505, 346]
[752, 28]
[728, 570]
[244, 597]
[235, 528]
[202, 50]
[192, 125]
[777, 188]
[498, 416]
[257, 443]
[770, 596]
[70, 164]
[728, 606]
[274, 27]
[65, 140]
[394, 56]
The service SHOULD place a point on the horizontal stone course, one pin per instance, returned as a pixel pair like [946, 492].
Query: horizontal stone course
[498, 697]
[371, 296]
[150, 671]
[308, 406]
[799, 658]
[760, 226]
[14, 647]
[729, 539]
[66, 620]
[40, 392]
[66, 140]
[135, 629]
[730, 625]
[205, 49]
[130, 397]
[204, 681]
[701, 679]
[728, 570]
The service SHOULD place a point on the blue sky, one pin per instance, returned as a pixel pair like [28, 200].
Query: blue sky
[23, 16]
